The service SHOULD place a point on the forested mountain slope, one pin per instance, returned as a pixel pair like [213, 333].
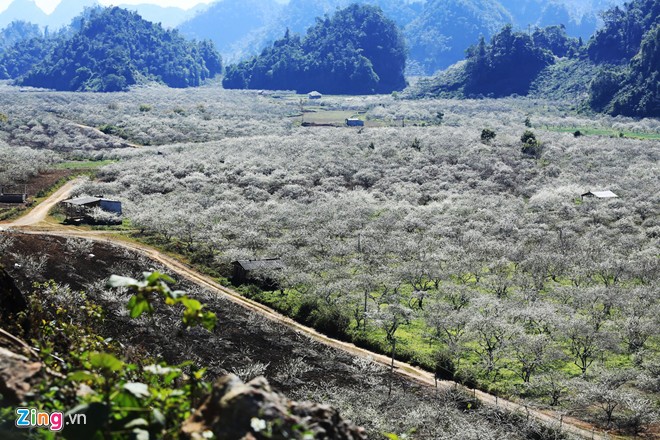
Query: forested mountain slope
[628, 49]
[17, 31]
[616, 72]
[437, 32]
[357, 51]
[113, 49]
[439, 36]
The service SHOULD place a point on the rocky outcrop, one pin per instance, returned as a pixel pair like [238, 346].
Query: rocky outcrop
[235, 410]
[17, 375]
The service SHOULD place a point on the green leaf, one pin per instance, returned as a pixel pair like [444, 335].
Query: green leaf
[138, 389]
[199, 373]
[151, 277]
[82, 376]
[209, 320]
[125, 399]
[105, 361]
[139, 305]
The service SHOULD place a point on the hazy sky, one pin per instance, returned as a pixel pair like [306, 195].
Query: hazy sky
[49, 5]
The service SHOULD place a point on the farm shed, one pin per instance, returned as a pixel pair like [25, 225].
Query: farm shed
[600, 195]
[354, 122]
[314, 95]
[81, 207]
[13, 196]
[252, 271]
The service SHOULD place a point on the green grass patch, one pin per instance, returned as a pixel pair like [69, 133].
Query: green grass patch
[590, 131]
[328, 116]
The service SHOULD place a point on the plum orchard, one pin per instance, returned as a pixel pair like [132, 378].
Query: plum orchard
[485, 257]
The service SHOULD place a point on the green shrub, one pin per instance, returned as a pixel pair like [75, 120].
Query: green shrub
[444, 366]
[487, 135]
[328, 319]
[531, 146]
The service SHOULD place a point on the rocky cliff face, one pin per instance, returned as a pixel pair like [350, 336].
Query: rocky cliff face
[235, 410]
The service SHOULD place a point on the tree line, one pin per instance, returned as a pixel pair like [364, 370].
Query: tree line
[111, 50]
[356, 51]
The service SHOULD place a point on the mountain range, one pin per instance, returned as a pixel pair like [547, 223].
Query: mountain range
[66, 10]
[436, 31]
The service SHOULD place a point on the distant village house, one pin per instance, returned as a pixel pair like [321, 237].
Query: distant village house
[256, 272]
[13, 195]
[86, 209]
[354, 122]
[600, 195]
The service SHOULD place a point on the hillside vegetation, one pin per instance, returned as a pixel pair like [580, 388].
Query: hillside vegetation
[628, 47]
[357, 51]
[112, 50]
[436, 32]
[616, 72]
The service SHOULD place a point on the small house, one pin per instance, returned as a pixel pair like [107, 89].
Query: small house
[13, 196]
[256, 272]
[354, 122]
[600, 195]
[314, 95]
[81, 208]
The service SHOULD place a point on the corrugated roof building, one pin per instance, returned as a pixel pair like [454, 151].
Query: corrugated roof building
[600, 194]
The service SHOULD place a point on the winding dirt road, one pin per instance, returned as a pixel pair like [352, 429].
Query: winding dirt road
[40, 212]
[33, 223]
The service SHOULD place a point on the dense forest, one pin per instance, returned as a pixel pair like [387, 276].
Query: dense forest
[357, 51]
[628, 49]
[615, 72]
[112, 50]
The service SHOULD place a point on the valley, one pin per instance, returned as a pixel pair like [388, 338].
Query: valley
[413, 220]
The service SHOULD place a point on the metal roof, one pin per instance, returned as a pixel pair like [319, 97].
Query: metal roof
[270, 263]
[87, 200]
[82, 201]
[601, 194]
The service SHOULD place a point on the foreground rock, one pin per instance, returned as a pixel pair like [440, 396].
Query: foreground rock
[17, 375]
[235, 410]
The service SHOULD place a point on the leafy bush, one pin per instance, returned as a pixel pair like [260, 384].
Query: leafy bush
[327, 319]
[531, 146]
[444, 366]
[487, 135]
[140, 400]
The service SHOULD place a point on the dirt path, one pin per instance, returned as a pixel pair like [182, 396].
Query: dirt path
[29, 224]
[40, 212]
